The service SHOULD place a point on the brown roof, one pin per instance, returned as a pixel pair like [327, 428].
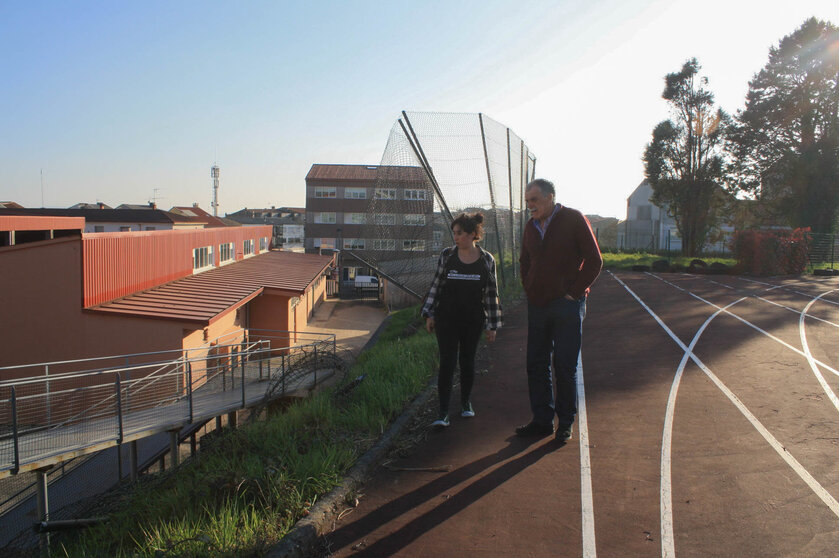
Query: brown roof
[363, 172]
[199, 215]
[103, 215]
[206, 297]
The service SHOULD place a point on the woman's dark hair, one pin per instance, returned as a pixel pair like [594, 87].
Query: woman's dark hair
[470, 224]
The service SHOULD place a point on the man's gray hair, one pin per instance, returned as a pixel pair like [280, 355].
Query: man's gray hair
[546, 186]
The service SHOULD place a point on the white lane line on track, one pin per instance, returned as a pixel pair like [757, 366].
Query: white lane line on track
[750, 324]
[668, 549]
[772, 302]
[784, 287]
[666, 497]
[804, 345]
[667, 545]
[587, 501]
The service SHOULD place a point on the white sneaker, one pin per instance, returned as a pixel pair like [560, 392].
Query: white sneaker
[441, 422]
[468, 411]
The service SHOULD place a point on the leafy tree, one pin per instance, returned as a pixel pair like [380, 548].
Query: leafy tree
[684, 161]
[786, 140]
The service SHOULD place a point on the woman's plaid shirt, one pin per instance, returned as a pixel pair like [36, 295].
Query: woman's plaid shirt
[492, 305]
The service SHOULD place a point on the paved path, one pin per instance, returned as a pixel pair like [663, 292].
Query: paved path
[706, 434]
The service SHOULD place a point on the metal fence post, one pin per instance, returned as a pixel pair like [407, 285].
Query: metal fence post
[243, 380]
[16, 467]
[189, 388]
[282, 371]
[49, 406]
[316, 363]
[117, 386]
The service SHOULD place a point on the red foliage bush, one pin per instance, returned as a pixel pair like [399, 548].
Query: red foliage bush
[771, 252]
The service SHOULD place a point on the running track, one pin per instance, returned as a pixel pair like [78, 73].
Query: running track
[709, 426]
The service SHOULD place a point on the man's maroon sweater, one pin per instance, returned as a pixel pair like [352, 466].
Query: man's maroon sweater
[566, 261]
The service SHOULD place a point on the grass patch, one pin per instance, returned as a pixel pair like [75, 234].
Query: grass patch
[627, 260]
[242, 494]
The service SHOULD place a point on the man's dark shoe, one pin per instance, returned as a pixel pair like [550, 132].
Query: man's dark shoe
[534, 429]
[564, 433]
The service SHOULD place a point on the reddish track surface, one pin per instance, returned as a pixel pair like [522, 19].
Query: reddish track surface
[733, 493]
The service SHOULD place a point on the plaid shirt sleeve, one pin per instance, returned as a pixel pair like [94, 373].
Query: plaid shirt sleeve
[492, 304]
[430, 302]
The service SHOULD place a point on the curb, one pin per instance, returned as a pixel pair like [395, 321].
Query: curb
[300, 541]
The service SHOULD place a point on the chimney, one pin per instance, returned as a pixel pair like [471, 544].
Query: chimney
[194, 204]
[152, 205]
[101, 205]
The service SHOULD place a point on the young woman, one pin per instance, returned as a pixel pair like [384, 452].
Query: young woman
[462, 301]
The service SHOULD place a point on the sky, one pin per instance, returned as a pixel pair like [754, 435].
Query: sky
[129, 102]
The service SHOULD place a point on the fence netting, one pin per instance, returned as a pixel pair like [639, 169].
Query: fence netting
[436, 166]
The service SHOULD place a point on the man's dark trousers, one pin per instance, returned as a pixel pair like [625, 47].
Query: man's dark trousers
[555, 329]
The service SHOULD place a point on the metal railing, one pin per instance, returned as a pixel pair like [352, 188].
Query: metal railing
[48, 418]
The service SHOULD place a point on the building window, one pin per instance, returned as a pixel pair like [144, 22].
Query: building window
[202, 258]
[124, 229]
[645, 212]
[438, 241]
[98, 228]
[151, 228]
[385, 194]
[414, 194]
[325, 217]
[263, 244]
[354, 244]
[325, 192]
[355, 193]
[384, 244]
[247, 247]
[226, 252]
[328, 243]
[413, 219]
[384, 219]
[413, 245]
[355, 218]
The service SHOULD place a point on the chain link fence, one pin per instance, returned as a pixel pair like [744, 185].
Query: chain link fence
[435, 166]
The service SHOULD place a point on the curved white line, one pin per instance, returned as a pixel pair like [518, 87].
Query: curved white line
[667, 532]
[811, 482]
[786, 289]
[816, 372]
[748, 323]
[587, 501]
[772, 302]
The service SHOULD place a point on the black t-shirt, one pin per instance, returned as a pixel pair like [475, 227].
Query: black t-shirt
[462, 295]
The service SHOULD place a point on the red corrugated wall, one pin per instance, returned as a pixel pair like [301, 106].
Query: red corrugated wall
[119, 264]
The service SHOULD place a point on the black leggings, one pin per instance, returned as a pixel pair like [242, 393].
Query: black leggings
[453, 337]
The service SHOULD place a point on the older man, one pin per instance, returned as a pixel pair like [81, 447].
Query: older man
[559, 261]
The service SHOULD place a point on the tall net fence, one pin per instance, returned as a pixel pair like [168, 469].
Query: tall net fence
[436, 166]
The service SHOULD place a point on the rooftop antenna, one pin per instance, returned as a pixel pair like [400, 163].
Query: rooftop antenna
[214, 175]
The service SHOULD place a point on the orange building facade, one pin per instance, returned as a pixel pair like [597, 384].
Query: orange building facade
[74, 295]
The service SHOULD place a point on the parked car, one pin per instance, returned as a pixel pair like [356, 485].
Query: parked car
[366, 282]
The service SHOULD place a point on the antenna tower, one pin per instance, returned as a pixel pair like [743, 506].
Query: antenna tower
[214, 175]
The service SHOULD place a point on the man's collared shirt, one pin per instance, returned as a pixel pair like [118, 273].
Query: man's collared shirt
[547, 222]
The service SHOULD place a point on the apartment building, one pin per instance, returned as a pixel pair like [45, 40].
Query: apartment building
[287, 223]
[381, 213]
